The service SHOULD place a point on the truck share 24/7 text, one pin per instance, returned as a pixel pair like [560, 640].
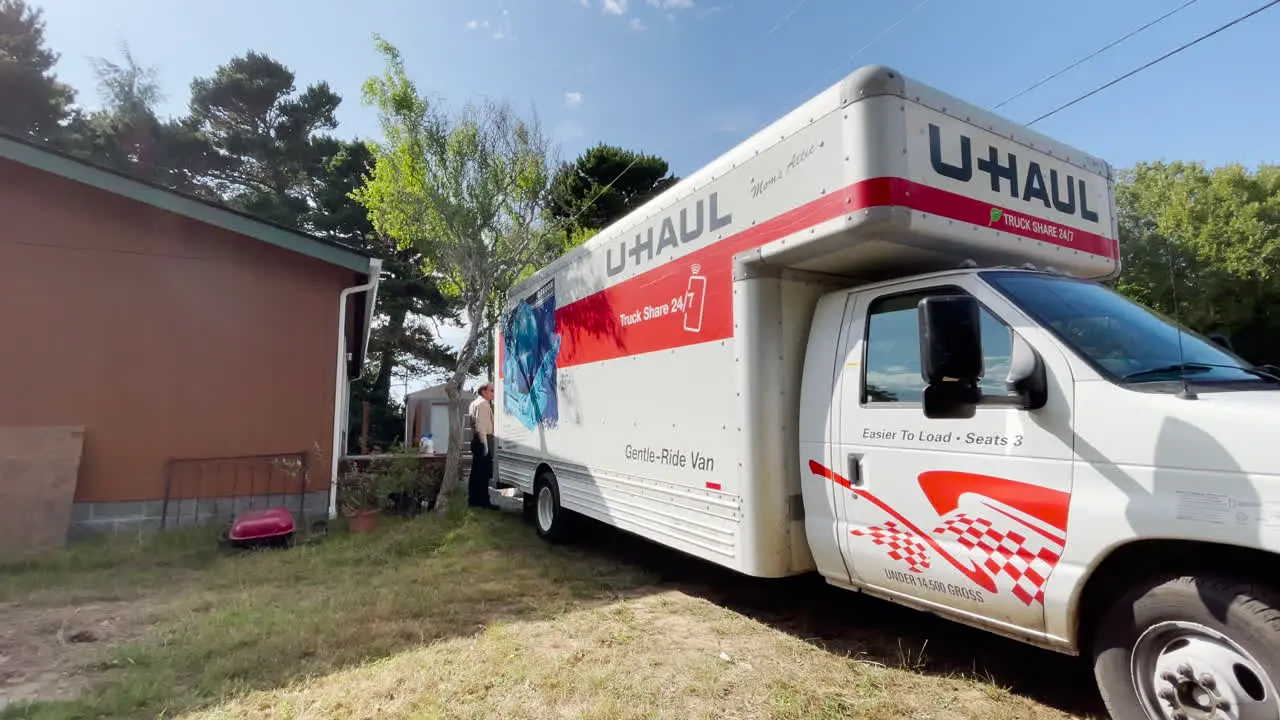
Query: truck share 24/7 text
[871, 341]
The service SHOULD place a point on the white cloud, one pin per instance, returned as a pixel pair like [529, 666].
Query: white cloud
[637, 24]
[615, 7]
[573, 98]
[584, 3]
[497, 33]
[671, 4]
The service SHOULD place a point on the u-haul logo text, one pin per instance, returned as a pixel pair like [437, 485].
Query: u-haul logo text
[705, 218]
[1064, 193]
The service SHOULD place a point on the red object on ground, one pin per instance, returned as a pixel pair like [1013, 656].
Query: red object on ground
[260, 525]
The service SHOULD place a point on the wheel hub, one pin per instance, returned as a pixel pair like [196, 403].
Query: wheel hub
[1186, 671]
[546, 508]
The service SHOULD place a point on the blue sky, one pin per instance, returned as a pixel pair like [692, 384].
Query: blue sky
[691, 78]
[688, 79]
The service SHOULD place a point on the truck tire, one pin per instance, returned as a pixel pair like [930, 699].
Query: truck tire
[1190, 647]
[551, 521]
[528, 507]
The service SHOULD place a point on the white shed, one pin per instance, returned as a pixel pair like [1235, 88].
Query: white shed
[427, 411]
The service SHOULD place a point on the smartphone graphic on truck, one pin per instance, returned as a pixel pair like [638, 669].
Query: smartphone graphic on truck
[694, 297]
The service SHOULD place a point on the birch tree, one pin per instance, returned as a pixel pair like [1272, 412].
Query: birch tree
[468, 190]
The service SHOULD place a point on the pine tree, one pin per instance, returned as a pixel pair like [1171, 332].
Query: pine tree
[35, 102]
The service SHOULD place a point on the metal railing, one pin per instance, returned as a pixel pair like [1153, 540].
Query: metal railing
[202, 490]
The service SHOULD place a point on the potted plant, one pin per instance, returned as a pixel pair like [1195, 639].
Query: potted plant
[360, 496]
[402, 472]
[363, 493]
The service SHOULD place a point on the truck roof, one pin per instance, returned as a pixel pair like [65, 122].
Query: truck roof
[863, 83]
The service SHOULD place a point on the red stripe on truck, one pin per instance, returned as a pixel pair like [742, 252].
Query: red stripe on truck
[662, 309]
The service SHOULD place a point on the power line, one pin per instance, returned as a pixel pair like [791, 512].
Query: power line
[785, 18]
[797, 7]
[844, 67]
[794, 9]
[605, 189]
[887, 30]
[1094, 54]
[1160, 59]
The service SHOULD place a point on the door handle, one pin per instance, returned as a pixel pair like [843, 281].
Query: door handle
[855, 469]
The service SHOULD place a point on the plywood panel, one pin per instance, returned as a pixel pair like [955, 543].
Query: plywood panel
[38, 471]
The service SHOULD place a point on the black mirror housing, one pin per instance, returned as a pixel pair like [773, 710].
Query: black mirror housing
[1027, 376]
[950, 341]
[943, 402]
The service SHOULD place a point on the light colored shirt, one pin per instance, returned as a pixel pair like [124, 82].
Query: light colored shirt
[481, 413]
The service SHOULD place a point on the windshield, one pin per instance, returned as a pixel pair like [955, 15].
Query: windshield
[1117, 336]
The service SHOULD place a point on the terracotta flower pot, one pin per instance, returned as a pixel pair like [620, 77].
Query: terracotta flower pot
[363, 521]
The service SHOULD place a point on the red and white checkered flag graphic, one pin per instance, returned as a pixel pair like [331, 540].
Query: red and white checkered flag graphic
[1008, 543]
[901, 544]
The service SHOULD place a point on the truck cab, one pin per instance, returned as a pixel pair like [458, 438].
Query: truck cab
[987, 444]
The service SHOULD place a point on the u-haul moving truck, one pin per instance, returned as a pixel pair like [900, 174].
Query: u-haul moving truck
[869, 341]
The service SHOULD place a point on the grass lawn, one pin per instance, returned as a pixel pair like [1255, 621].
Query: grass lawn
[472, 616]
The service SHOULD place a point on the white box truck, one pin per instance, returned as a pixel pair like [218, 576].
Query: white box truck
[871, 341]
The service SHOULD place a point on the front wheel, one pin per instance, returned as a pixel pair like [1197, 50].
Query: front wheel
[1190, 648]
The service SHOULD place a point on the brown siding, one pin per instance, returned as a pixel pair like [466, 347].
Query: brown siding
[162, 336]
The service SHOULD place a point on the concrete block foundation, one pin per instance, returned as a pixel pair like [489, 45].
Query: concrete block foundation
[111, 518]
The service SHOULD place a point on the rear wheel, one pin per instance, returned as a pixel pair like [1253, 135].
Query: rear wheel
[550, 519]
[1190, 648]
[529, 506]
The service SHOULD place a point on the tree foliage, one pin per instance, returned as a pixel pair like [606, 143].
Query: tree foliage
[400, 342]
[581, 194]
[268, 140]
[468, 190]
[1203, 245]
[125, 134]
[33, 101]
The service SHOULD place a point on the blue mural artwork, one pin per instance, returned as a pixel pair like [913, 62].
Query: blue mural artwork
[530, 346]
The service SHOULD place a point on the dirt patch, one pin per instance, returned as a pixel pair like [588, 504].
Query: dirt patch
[57, 653]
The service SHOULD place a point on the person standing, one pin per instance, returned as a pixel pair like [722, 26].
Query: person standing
[482, 441]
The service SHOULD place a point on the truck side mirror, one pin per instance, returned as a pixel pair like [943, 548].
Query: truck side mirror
[1222, 341]
[950, 340]
[1027, 377]
[950, 355]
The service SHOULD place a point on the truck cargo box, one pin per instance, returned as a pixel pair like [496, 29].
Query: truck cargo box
[656, 369]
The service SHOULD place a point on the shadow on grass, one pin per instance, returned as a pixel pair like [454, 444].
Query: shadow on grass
[235, 623]
[238, 622]
[861, 626]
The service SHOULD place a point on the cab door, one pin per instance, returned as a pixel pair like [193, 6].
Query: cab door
[821, 400]
[968, 516]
